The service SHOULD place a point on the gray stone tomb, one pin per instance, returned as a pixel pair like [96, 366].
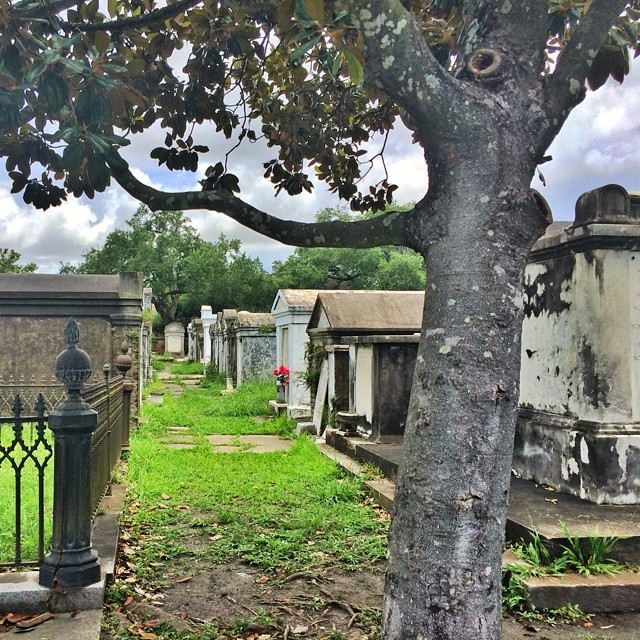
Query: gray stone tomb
[579, 425]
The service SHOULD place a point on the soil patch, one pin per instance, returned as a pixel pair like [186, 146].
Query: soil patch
[324, 602]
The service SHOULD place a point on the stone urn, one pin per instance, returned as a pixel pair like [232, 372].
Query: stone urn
[281, 393]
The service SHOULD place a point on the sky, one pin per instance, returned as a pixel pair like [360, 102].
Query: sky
[599, 144]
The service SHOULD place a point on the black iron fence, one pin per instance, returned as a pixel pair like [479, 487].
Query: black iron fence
[26, 460]
[25, 453]
[107, 399]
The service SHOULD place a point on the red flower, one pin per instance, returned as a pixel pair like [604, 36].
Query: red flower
[281, 374]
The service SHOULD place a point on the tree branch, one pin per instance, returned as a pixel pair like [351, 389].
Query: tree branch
[28, 9]
[565, 88]
[387, 229]
[143, 20]
[399, 61]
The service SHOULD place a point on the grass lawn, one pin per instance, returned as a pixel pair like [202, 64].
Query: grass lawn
[282, 511]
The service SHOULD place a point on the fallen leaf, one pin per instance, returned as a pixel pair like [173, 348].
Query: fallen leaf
[310, 543]
[183, 507]
[299, 612]
[35, 621]
[300, 629]
[215, 538]
[262, 579]
[165, 496]
[551, 500]
[149, 624]
[12, 618]
[587, 624]
[608, 626]
[128, 601]
[185, 579]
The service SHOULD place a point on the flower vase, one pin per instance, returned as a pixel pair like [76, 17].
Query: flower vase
[281, 393]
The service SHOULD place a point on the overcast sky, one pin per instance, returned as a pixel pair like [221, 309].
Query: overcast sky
[599, 144]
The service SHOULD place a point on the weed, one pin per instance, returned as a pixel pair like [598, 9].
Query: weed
[369, 471]
[591, 554]
[537, 553]
[335, 634]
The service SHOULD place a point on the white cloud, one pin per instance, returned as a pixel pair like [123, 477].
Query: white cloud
[599, 144]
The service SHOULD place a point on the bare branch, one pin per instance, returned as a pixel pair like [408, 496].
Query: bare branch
[566, 86]
[386, 229]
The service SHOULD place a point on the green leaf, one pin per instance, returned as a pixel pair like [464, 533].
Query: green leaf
[75, 66]
[72, 156]
[112, 7]
[354, 67]
[35, 72]
[300, 51]
[98, 173]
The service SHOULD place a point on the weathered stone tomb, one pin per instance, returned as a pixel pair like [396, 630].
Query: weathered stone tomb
[579, 425]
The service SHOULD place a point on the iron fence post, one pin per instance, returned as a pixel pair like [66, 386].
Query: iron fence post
[72, 563]
[124, 362]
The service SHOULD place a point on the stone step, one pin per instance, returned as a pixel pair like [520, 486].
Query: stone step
[593, 593]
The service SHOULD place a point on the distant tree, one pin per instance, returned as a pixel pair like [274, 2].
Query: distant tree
[224, 276]
[327, 268]
[183, 270]
[161, 245]
[9, 263]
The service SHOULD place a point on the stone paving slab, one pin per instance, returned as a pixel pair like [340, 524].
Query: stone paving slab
[174, 389]
[258, 444]
[79, 625]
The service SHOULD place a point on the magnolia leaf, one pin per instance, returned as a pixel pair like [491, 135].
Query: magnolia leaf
[354, 66]
[102, 40]
[300, 51]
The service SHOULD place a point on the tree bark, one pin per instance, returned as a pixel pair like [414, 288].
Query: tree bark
[446, 539]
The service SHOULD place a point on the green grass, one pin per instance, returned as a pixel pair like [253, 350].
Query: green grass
[284, 510]
[186, 367]
[207, 412]
[281, 511]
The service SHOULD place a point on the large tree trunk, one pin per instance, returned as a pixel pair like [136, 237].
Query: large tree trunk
[449, 515]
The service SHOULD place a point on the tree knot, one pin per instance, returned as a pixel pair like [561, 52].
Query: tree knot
[484, 64]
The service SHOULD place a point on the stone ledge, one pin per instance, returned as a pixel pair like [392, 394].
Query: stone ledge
[593, 594]
[21, 593]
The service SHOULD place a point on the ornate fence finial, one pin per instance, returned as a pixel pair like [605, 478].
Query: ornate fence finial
[124, 361]
[73, 365]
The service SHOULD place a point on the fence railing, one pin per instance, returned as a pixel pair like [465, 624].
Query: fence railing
[25, 445]
[107, 399]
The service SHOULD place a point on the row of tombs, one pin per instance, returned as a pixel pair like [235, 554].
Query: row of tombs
[351, 354]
